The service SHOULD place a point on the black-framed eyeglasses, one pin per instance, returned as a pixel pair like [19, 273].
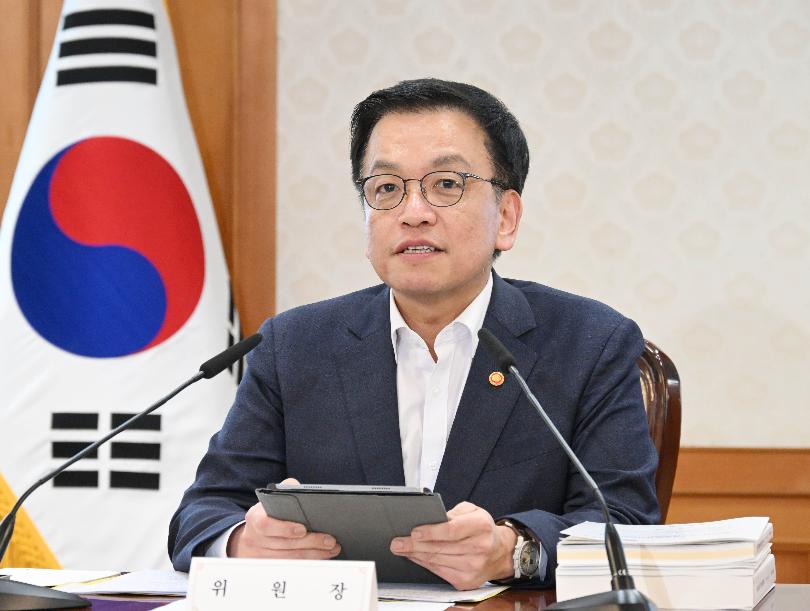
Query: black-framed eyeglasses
[440, 189]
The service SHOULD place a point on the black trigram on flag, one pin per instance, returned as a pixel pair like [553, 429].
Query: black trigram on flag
[94, 38]
[62, 422]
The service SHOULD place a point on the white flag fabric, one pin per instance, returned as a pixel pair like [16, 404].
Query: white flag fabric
[113, 290]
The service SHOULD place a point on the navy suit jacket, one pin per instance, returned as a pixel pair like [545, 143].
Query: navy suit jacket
[319, 403]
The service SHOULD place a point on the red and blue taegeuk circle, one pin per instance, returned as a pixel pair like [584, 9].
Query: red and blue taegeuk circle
[107, 257]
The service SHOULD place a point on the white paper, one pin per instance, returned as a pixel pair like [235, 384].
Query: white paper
[435, 592]
[670, 558]
[150, 582]
[707, 590]
[54, 577]
[411, 605]
[384, 605]
[742, 569]
[735, 529]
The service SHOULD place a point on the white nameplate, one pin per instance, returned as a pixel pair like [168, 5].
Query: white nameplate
[244, 584]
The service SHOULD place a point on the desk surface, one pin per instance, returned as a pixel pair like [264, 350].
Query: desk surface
[785, 597]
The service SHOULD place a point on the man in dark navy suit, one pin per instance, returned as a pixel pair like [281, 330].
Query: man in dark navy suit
[389, 386]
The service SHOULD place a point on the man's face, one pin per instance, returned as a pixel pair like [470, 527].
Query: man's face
[462, 238]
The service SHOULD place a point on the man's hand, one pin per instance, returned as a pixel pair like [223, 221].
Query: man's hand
[264, 537]
[465, 551]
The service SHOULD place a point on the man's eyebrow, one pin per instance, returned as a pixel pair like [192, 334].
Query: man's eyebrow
[382, 164]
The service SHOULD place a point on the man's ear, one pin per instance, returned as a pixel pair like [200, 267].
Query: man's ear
[510, 209]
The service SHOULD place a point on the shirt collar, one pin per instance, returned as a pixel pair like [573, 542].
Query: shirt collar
[472, 317]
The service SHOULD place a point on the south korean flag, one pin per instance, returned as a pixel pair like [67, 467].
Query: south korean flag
[113, 289]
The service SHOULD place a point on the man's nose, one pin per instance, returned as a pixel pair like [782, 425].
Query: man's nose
[415, 207]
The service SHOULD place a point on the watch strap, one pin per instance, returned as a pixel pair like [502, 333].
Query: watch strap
[523, 536]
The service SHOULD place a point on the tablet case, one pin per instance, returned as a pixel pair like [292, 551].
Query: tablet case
[363, 524]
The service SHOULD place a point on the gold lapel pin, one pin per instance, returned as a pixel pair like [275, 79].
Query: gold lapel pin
[496, 378]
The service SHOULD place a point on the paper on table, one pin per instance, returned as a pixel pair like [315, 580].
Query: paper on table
[685, 560]
[745, 569]
[411, 605]
[149, 582]
[735, 529]
[384, 605]
[435, 592]
[54, 577]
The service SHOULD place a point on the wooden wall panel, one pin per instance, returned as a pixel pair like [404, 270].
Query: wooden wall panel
[227, 55]
[792, 563]
[48, 15]
[717, 483]
[204, 34]
[255, 163]
[18, 29]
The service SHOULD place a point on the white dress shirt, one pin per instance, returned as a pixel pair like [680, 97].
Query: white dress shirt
[428, 392]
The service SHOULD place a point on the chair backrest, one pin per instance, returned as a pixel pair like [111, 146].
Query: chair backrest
[661, 388]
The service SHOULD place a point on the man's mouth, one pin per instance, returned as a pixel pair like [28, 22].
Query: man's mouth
[418, 250]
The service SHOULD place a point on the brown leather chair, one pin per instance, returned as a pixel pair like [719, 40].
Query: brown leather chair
[661, 388]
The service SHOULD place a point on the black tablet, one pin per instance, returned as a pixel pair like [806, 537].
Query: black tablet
[363, 519]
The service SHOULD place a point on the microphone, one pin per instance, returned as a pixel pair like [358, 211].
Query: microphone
[623, 595]
[24, 597]
[226, 358]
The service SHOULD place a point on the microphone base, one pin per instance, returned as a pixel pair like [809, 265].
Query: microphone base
[16, 596]
[615, 600]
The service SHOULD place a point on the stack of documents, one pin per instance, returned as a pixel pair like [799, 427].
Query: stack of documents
[710, 565]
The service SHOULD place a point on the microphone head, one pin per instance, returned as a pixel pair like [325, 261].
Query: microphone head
[502, 356]
[228, 357]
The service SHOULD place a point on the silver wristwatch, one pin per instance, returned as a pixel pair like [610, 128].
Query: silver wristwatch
[526, 557]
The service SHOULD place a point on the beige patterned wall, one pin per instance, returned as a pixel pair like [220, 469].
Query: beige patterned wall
[670, 177]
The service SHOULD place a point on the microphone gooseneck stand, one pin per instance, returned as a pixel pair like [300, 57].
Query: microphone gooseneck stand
[17, 596]
[623, 596]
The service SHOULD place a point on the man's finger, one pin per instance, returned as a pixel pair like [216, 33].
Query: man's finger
[451, 548]
[462, 508]
[266, 526]
[313, 541]
[259, 522]
[299, 554]
[459, 527]
[434, 560]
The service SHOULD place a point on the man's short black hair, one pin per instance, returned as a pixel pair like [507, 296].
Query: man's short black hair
[505, 141]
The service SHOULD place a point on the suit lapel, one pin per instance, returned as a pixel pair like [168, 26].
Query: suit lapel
[369, 379]
[484, 409]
